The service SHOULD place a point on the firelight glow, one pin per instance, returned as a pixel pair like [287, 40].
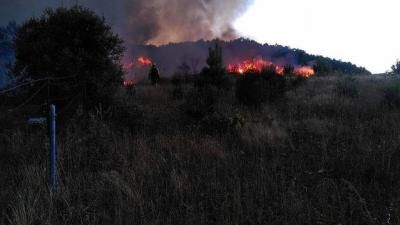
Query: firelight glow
[364, 32]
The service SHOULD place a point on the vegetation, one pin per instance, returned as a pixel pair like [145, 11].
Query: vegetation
[325, 151]
[214, 73]
[254, 89]
[323, 157]
[75, 50]
[396, 67]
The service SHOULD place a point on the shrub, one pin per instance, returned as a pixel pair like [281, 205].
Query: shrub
[254, 89]
[200, 102]
[177, 92]
[75, 50]
[396, 67]
[392, 95]
[347, 88]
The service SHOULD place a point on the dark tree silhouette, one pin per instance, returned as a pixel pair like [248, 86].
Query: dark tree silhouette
[396, 67]
[215, 72]
[76, 49]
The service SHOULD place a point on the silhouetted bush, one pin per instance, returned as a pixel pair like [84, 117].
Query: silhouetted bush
[396, 67]
[347, 88]
[177, 91]
[200, 101]
[254, 89]
[296, 81]
[76, 50]
[392, 95]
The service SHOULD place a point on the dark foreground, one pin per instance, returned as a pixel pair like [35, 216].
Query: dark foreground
[329, 153]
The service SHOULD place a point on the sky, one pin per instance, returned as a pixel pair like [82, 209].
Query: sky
[364, 32]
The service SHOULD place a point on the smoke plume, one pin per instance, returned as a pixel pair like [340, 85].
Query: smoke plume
[149, 21]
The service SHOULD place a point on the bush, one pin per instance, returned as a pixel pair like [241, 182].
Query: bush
[177, 92]
[396, 67]
[75, 50]
[347, 88]
[296, 81]
[200, 102]
[392, 95]
[254, 89]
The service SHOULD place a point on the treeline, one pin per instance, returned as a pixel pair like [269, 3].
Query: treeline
[324, 65]
[171, 56]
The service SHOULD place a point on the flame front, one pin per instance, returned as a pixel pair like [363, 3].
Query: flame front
[132, 68]
[255, 65]
[304, 71]
[258, 65]
[144, 61]
[138, 63]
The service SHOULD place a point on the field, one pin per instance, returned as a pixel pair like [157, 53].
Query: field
[327, 153]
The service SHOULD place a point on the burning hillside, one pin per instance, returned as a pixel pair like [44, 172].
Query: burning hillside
[138, 68]
[258, 65]
[253, 65]
[240, 55]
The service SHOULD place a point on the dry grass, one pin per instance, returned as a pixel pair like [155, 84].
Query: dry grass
[319, 157]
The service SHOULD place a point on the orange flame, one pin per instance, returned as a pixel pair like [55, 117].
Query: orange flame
[254, 65]
[304, 71]
[258, 65]
[132, 69]
[139, 63]
[144, 61]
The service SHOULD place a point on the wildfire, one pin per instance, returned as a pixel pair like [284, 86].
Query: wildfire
[304, 71]
[144, 61]
[133, 69]
[139, 63]
[254, 65]
[129, 83]
[258, 65]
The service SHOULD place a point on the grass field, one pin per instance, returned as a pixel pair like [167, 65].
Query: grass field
[328, 153]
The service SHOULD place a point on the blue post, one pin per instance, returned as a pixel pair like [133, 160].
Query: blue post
[53, 149]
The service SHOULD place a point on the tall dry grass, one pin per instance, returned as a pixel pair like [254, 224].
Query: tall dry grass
[323, 155]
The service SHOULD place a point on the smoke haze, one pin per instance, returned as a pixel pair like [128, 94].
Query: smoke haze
[147, 21]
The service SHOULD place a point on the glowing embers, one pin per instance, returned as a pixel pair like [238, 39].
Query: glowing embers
[129, 83]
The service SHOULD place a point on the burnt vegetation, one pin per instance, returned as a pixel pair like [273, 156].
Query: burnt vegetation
[200, 148]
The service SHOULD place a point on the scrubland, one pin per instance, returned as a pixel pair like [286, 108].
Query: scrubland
[328, 152]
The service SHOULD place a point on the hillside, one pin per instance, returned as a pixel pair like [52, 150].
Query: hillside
[171, 57]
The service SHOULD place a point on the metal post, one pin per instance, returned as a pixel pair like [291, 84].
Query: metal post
[53, 149]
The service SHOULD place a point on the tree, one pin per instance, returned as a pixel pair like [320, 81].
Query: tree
[75, 51]
[215, 72]
[154, 75]
[396, 67]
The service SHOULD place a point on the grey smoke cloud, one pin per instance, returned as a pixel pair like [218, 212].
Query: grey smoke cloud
[147, 21]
